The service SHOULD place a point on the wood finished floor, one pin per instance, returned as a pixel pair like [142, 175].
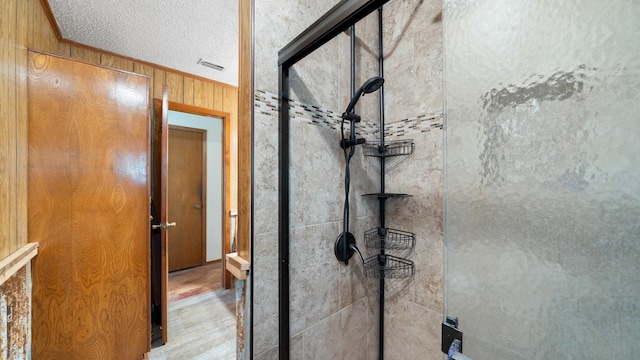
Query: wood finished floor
[201, 317]
[194, 281]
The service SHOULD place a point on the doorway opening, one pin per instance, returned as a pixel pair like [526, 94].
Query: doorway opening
[198, 202]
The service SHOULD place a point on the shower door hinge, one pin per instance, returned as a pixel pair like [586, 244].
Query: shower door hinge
[450, 333]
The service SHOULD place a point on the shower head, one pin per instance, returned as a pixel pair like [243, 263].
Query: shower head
[369, 86]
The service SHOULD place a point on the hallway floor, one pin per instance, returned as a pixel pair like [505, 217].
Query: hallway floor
[201, 320]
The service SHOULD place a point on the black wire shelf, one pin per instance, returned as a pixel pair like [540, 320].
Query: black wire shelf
[389, 239]
[387, 195]
[390, 148]
[388, 267]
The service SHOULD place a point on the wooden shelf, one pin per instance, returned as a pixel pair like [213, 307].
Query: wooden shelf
[14, 262]
[237, 266]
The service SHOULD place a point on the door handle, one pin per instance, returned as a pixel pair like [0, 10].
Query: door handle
[197, 206]
[164, 226]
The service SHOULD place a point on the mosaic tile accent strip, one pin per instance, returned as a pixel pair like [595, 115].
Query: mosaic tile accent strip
[267, 103]
[415, 125]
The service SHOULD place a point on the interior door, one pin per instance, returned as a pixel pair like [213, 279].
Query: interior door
[186, 195]
[88, 207]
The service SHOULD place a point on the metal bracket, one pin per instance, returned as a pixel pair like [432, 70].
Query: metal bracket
[450, 333]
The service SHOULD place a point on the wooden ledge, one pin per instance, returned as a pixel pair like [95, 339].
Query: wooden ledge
[14, 262]
[237, 266]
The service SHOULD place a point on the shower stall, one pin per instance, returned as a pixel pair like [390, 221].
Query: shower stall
[524, 215]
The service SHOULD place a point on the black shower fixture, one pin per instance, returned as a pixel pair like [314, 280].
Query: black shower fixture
[345, 244]
[349, 114]
[369, 86]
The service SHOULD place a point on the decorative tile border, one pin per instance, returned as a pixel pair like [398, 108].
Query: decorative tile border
[415, 125]
[267, 104]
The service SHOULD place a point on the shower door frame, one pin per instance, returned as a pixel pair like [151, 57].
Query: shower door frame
[333, 22]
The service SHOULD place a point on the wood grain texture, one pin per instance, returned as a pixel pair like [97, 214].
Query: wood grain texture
[22, 38]
[230, 101]
[186, 189]
[85, 54]
[218, 95]
[8, 129]
[245, 139]
[192, 282]
[89, 209]
[230, 105]
[31, 29]
[51, 18]
[147, 71]
[188, 91]
[203, 94]
[159, 80]
[176, 87]
[116, 62]
[22, 24]
[42, 34]
[64, 50]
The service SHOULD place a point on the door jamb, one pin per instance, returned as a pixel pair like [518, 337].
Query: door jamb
[226, 124]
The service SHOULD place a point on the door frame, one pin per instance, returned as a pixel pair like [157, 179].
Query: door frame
[226, 140]
[203, 190]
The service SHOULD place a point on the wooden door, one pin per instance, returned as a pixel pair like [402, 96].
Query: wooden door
[88, 206]
[186, 189]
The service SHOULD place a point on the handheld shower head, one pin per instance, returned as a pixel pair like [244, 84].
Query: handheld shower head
[369, 86]
[372, 84]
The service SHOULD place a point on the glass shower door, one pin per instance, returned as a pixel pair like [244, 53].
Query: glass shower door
[542, 178]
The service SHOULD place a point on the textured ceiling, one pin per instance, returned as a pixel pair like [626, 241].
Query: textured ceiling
[170, 33]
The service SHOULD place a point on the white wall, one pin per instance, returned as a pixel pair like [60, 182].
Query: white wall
[215, 167]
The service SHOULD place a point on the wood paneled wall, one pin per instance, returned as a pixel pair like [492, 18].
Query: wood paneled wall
[24, 24]
[245, 136]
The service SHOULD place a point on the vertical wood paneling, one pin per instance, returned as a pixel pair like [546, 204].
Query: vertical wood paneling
[24, 24]
[22, 38]
[245, 103]
[159, 79]
[175, 83]
[203, 94]
[78, 52]
[144, 70]
[29, 22]
[43, 37]
[148, 71]
[230, 105]
[8, 131]
[35, 39]
[116, 62]
[64, 49]
[188, 90]
[217, 96]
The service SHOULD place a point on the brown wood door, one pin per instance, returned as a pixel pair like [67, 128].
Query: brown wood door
[88, 208]
[186, 197]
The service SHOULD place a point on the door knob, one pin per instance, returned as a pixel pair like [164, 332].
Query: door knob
[197, 206]
[164, 226]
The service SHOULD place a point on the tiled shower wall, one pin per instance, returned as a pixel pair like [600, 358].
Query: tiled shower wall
[412, 41]
[329, 303]
[330, 313]
[333, 307]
